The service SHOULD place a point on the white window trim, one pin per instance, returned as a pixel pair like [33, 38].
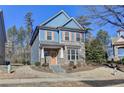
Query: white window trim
[47, 36]
[79, 37]
[71, 54]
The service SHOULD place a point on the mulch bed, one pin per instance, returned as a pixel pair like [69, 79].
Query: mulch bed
[81, 68]
[41, 68]
[121, 68]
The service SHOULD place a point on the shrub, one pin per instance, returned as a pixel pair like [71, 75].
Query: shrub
[24, 62]
[28, 62]
[74, 67]
[45, 64]
[122, 61]
[71, 64]
[37, 63]
[78, 64]
[95, 52]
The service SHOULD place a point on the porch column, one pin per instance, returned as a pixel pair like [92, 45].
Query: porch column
[61, 53]
[116, 53]
[42, 52]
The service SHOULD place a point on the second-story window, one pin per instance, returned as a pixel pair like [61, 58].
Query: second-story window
[49, 35]
[67, 36]
[77, 36]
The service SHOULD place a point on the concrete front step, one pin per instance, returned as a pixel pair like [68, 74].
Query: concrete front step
[57, 69]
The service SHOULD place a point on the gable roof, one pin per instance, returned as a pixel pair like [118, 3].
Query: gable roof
[118, 40]
[60, 21]
[72, 23]
[50, 20]
[121, 39]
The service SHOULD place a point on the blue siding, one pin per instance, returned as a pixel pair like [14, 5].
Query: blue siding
[42, 36]
[60, 37]
[58, 21]
[72, 24]
[56, 36]
[35, 51]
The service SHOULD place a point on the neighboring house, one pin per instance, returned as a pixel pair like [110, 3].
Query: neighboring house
[118, 45]
[2, 39]
[59, 40]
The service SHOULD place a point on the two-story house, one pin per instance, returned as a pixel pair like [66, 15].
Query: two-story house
[58, 40]
[2, 39]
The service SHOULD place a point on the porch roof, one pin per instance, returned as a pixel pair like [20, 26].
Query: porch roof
[51, 44]
[118, 43]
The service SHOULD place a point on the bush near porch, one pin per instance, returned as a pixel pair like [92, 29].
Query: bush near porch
[41, 68]
[71, 68]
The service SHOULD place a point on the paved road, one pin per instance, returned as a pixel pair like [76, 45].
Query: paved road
[48, 82]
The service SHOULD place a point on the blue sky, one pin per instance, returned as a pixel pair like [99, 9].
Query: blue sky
[14, 15]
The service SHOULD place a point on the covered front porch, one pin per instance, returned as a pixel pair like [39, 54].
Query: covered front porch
[51, 54]
[118, 51]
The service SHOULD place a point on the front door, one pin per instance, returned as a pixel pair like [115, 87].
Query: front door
[53, 57]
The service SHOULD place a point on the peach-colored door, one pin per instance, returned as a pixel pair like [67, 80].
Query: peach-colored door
[53, 58]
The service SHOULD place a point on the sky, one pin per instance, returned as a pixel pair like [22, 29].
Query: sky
[14, 15]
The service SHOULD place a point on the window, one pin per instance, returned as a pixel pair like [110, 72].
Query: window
[46, 53]
[73, 54]
[77, 36]
[66, 35]
[49, 35]
[69, 55]
[77, 54]
[82, 38]
[120, 51]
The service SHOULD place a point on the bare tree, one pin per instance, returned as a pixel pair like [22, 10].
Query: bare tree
[108, 14]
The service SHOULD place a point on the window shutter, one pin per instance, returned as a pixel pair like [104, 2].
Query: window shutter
[53, 35]
[45, 35]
